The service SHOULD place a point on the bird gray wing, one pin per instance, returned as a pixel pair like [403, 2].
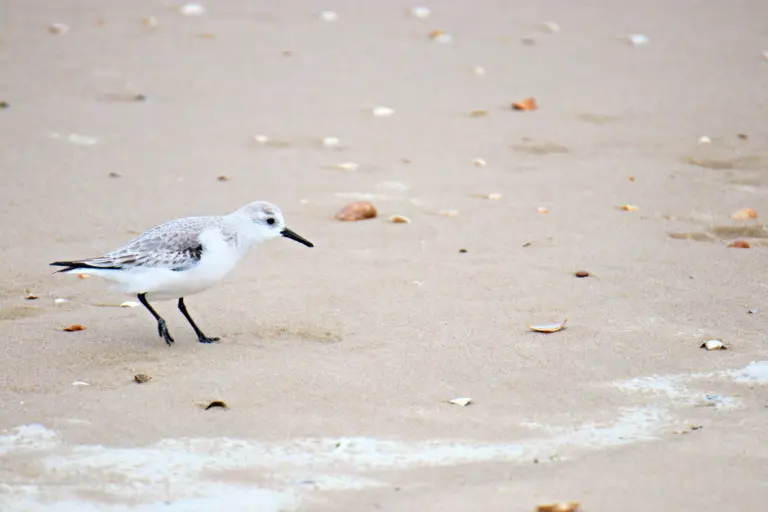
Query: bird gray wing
[174, 245]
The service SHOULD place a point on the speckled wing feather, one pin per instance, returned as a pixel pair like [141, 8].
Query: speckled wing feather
[174, 245]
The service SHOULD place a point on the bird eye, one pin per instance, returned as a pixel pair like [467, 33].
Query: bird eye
[270, 221]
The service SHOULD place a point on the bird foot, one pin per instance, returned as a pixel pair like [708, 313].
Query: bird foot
[162, 331]
[202, 338]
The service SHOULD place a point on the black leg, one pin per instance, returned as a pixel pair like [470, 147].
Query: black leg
[202, 338]
[162, 330]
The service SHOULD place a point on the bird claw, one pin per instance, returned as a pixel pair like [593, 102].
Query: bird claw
[162, 331]
[206, 339]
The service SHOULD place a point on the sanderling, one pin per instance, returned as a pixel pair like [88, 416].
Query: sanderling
[185, 256]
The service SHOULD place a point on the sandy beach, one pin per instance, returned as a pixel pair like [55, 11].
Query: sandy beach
[644, 163]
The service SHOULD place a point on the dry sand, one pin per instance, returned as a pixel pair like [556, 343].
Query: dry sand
[337, 361]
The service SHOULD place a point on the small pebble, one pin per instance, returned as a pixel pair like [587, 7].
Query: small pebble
[192, 10]
[399, 219]
[581, 273]
[462, 251]
[223, 177]
[4, 105]
[114, 174]
[141, 378]
[420, 12]
[329, 16]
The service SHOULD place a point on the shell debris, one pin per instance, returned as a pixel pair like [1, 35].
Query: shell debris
[382, 111]
[439, 36]
[192, 10]
[347, 166]
[399, 219]
[479, 162]
[420, 12]
[330, 142]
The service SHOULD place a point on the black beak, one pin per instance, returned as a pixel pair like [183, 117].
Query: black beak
[287, 233]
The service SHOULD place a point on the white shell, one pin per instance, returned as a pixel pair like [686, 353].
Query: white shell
[713, 344]
[80, 383]
[479, 162]
[129, 304]
[382, 111]
[550, 27]
[192, 10]
[60, 301]
[420, 12]
[330, 141]
[347, 166]
[261, 139]
[639, 39]
[462, 401]
[705, 140]
[494, 196]
[329, 16]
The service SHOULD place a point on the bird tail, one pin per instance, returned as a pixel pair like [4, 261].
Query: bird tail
[82, 264]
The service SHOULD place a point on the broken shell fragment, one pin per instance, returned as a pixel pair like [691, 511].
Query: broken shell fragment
[192, 10]
[744, 214]
[347, 166]
[216, 403]
[478, 113]
[628, 208]
[261, 139]
[547, 328]
[448, 213]
[550, 27]
[420, 12]
[479, 162]
[74, 328]
[129, 304]
[83, 276]
[58, 29]
[493, 197]
[581, 273]
[572, 506]
[478, 70]
[399, 219]
[461, 402]
[739, 244]
[60, 301]
[223, 177]
[359, 210]
[438, 36]
[329, 16]
[527, 104]
[714, 345]
[541, 209]
[639, 39]
[149, 21]
[330, 141]
[141, 378]
[382, 111]
[705, 140]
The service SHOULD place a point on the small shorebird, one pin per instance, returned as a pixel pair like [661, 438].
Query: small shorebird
[185, 256]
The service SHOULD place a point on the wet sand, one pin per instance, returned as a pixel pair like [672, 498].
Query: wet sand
[337, 362]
